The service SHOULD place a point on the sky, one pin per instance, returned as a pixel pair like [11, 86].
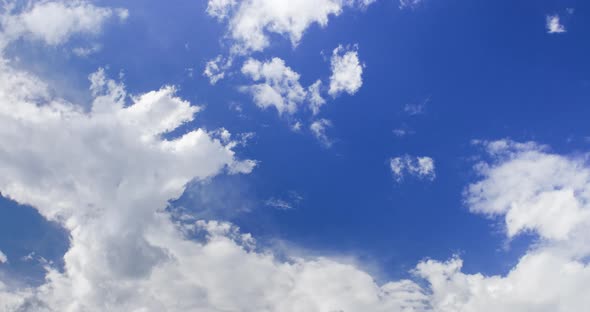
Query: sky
[294, 155]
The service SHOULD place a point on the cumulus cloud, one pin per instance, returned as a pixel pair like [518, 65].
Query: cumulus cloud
[535, 191]
[279, 87]
[554, 25]
[419, 167]
[251, 22]
[107, 173]
[106, 176]
[54, 22]
[346, 71]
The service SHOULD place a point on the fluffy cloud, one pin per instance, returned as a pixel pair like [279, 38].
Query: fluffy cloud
[420, 167]
[54, 22]
[346, 71]
[535, 191]
[251, 21]
[279, 87]
[554, 25]
[3, 258]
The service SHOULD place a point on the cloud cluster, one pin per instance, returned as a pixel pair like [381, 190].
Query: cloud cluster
[107, 171]
[107, 174]
[419, 167]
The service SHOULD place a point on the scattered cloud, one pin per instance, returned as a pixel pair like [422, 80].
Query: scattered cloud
[346, 71]
[318, 128]
[316, 101]
[419, 167]
[409, 4]
[3, 258]
[554, 25]
[215, 69]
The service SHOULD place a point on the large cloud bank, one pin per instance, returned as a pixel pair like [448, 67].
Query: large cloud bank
[107, 172]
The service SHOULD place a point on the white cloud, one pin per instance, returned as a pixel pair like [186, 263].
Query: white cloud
[280, 87]
[533, 190]
[346, 71]
[250, 22]
[3, 258]
[537, 192]
[318, 128]
[420, 167]
[54, 22]
[554, 25]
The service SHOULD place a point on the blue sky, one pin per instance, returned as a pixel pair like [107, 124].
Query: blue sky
[442, 81]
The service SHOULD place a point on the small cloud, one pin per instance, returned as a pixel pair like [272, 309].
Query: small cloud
[402, 132]
[420, 167]
[215, 68]
[347, 71]
[409, 4]
[3, 258]
[190, 72]
[554, 25]
[296, 127]
[290, 202]
[318, 128]
[86, 51]
[414, 109]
